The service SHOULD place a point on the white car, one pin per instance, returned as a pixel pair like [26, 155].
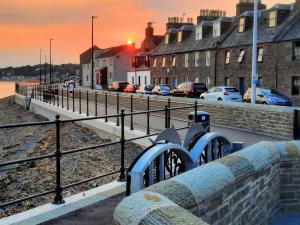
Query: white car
[228, 94]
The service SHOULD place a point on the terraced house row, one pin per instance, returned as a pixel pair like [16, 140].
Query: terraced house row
[218, 50]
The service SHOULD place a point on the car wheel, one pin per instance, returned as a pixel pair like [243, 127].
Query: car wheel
[265, 103]
[202, 97]
[219, 99]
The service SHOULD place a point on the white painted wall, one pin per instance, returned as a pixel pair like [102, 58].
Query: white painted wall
[86, 75]
[133, 77]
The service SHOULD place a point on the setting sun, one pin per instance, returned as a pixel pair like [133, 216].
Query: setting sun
[129, 42]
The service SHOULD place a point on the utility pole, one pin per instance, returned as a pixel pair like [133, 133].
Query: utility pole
[92, 56]
[45, 69]
[254, 54]
[50, 69]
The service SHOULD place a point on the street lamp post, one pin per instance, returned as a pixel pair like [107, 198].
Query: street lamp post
[254, 54]
[45, 80]
[50, 69]
[40, 66]
[93, 17]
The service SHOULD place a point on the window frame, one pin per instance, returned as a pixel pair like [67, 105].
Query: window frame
[186, 60]
[197, 59]
[174, 61]
[227, 82]
[242, 25]
[242, 55]
[297, 79]
[163, 64]
[167, 38]
[154, 62]
[272, 21]
[179, 36]
[217, 29]
[296, 57]
[199, 35]
[227, 57]
[260, 54]
[207, 58]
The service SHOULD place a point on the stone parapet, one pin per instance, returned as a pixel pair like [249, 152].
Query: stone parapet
[247, 187]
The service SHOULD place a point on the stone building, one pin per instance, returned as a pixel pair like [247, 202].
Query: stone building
[218, 51]
[140, 70]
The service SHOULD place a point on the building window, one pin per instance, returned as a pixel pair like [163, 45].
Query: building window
[295, 85]
[273, 18]
[260, 54]
[227, 57]
[217, 29]
[160, 80]
[197, 80]
[132, 80]
[179, 36]
[175, 81]
[145, 80]
[259, 83]
[154, 81]
[207, 81]
[186, 79]
[154, 62]
[147, 61]
[173, 60]
[167, 80]
[87, 78]
[197, 59]
[227, 81]
[186, 60]
[198, 33]
[242, 25]
[296, 51]
[207, 59]
[242, 55]
[167, 39]
[163, 62]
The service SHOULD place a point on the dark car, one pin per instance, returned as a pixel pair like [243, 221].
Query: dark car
[131, 88]
[118, 86]
[189, 89]
[268, 96]
[145, 89]
[161, 89]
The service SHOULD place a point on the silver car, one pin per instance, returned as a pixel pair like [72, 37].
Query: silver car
[223, 93]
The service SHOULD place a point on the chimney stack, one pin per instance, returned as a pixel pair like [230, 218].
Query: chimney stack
[149, 31]
[248, 5]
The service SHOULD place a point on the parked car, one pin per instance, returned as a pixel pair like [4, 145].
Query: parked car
[145, 89]
[131, 88]
[224, 93]
[161, 89]
[268, 96]
[118, 86]
[189, 89]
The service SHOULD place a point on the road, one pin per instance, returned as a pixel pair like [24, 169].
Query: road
[157, 122]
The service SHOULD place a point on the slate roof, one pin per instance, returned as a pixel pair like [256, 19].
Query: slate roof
[86, 56]
[109, 52]
[288, 30]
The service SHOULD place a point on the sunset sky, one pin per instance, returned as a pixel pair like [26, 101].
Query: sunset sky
[26, 26]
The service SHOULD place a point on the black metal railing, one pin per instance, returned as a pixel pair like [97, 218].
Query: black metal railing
[59, 153]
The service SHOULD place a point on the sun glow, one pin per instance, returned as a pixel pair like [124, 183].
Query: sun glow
[129, 42]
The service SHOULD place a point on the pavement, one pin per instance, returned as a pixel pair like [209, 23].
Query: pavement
[157, 123]
[100, 213]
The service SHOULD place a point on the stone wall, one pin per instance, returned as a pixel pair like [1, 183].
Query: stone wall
[246, 187]
[266, 119]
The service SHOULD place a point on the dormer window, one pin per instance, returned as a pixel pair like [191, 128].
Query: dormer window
[198, 33]
[179, 36]
[272, 18]
[167, 39]
[227, 57]
[163, 62]
[154, 63]
[242, 25]
[173, 60]
[217, 29]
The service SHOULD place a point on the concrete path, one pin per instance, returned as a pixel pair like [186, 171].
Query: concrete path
[100, 213]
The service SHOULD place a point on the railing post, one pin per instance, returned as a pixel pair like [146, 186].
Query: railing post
[68, 100]
[148, 115]
[106, 120]
[118, 110]
[73, 99]
[26, 90]
[50, 97]
[96, 108]
[79, 101]
[57, 97]
[87, 103]
[166, 116]
[122, 140]
[62, 98]
[58, 199]
[196, 112]
[131, 110]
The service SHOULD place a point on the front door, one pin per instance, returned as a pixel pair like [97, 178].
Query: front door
[242, 85]
[103, 77]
